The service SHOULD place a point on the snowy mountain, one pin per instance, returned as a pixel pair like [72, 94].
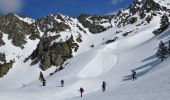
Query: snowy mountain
[85, 51]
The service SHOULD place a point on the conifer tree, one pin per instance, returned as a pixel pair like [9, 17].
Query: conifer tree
[162, 51]
[164, 22]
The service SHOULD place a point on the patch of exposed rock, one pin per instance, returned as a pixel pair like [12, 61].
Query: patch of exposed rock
[95, 23]
[52, 23]
[52, 54]
[4, 65]
[16, 29]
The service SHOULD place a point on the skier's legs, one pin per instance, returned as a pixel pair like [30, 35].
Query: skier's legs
[103, 88]
[133, 77]
[81, 94]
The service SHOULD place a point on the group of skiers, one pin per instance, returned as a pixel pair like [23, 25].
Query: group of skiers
[103, 83]
[82, 89]
[134, 77]
[103, 86]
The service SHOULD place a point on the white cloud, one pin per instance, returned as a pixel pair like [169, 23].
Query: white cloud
[114, 12]
[111, 13]
[10, 6]
[116, 1]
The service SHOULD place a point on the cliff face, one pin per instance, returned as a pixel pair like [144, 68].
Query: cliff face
[52, 54]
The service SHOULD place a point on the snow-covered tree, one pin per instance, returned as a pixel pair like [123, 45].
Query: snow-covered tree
[162, 51]
[164, 22]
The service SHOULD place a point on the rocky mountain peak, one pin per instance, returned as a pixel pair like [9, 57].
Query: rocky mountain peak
[52, 23]
[140, 10]
[145, 6]
[16, 28]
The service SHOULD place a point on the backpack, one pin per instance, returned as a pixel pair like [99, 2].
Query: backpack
[81, 89]
[62, 81]
[104, 83]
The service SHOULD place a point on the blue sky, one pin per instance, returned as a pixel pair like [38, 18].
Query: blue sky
[40, 8]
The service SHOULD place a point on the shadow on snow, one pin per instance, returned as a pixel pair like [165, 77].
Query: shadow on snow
[145, 68]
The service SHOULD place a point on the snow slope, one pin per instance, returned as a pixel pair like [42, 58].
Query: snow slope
[153, 76]
[165, 3]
